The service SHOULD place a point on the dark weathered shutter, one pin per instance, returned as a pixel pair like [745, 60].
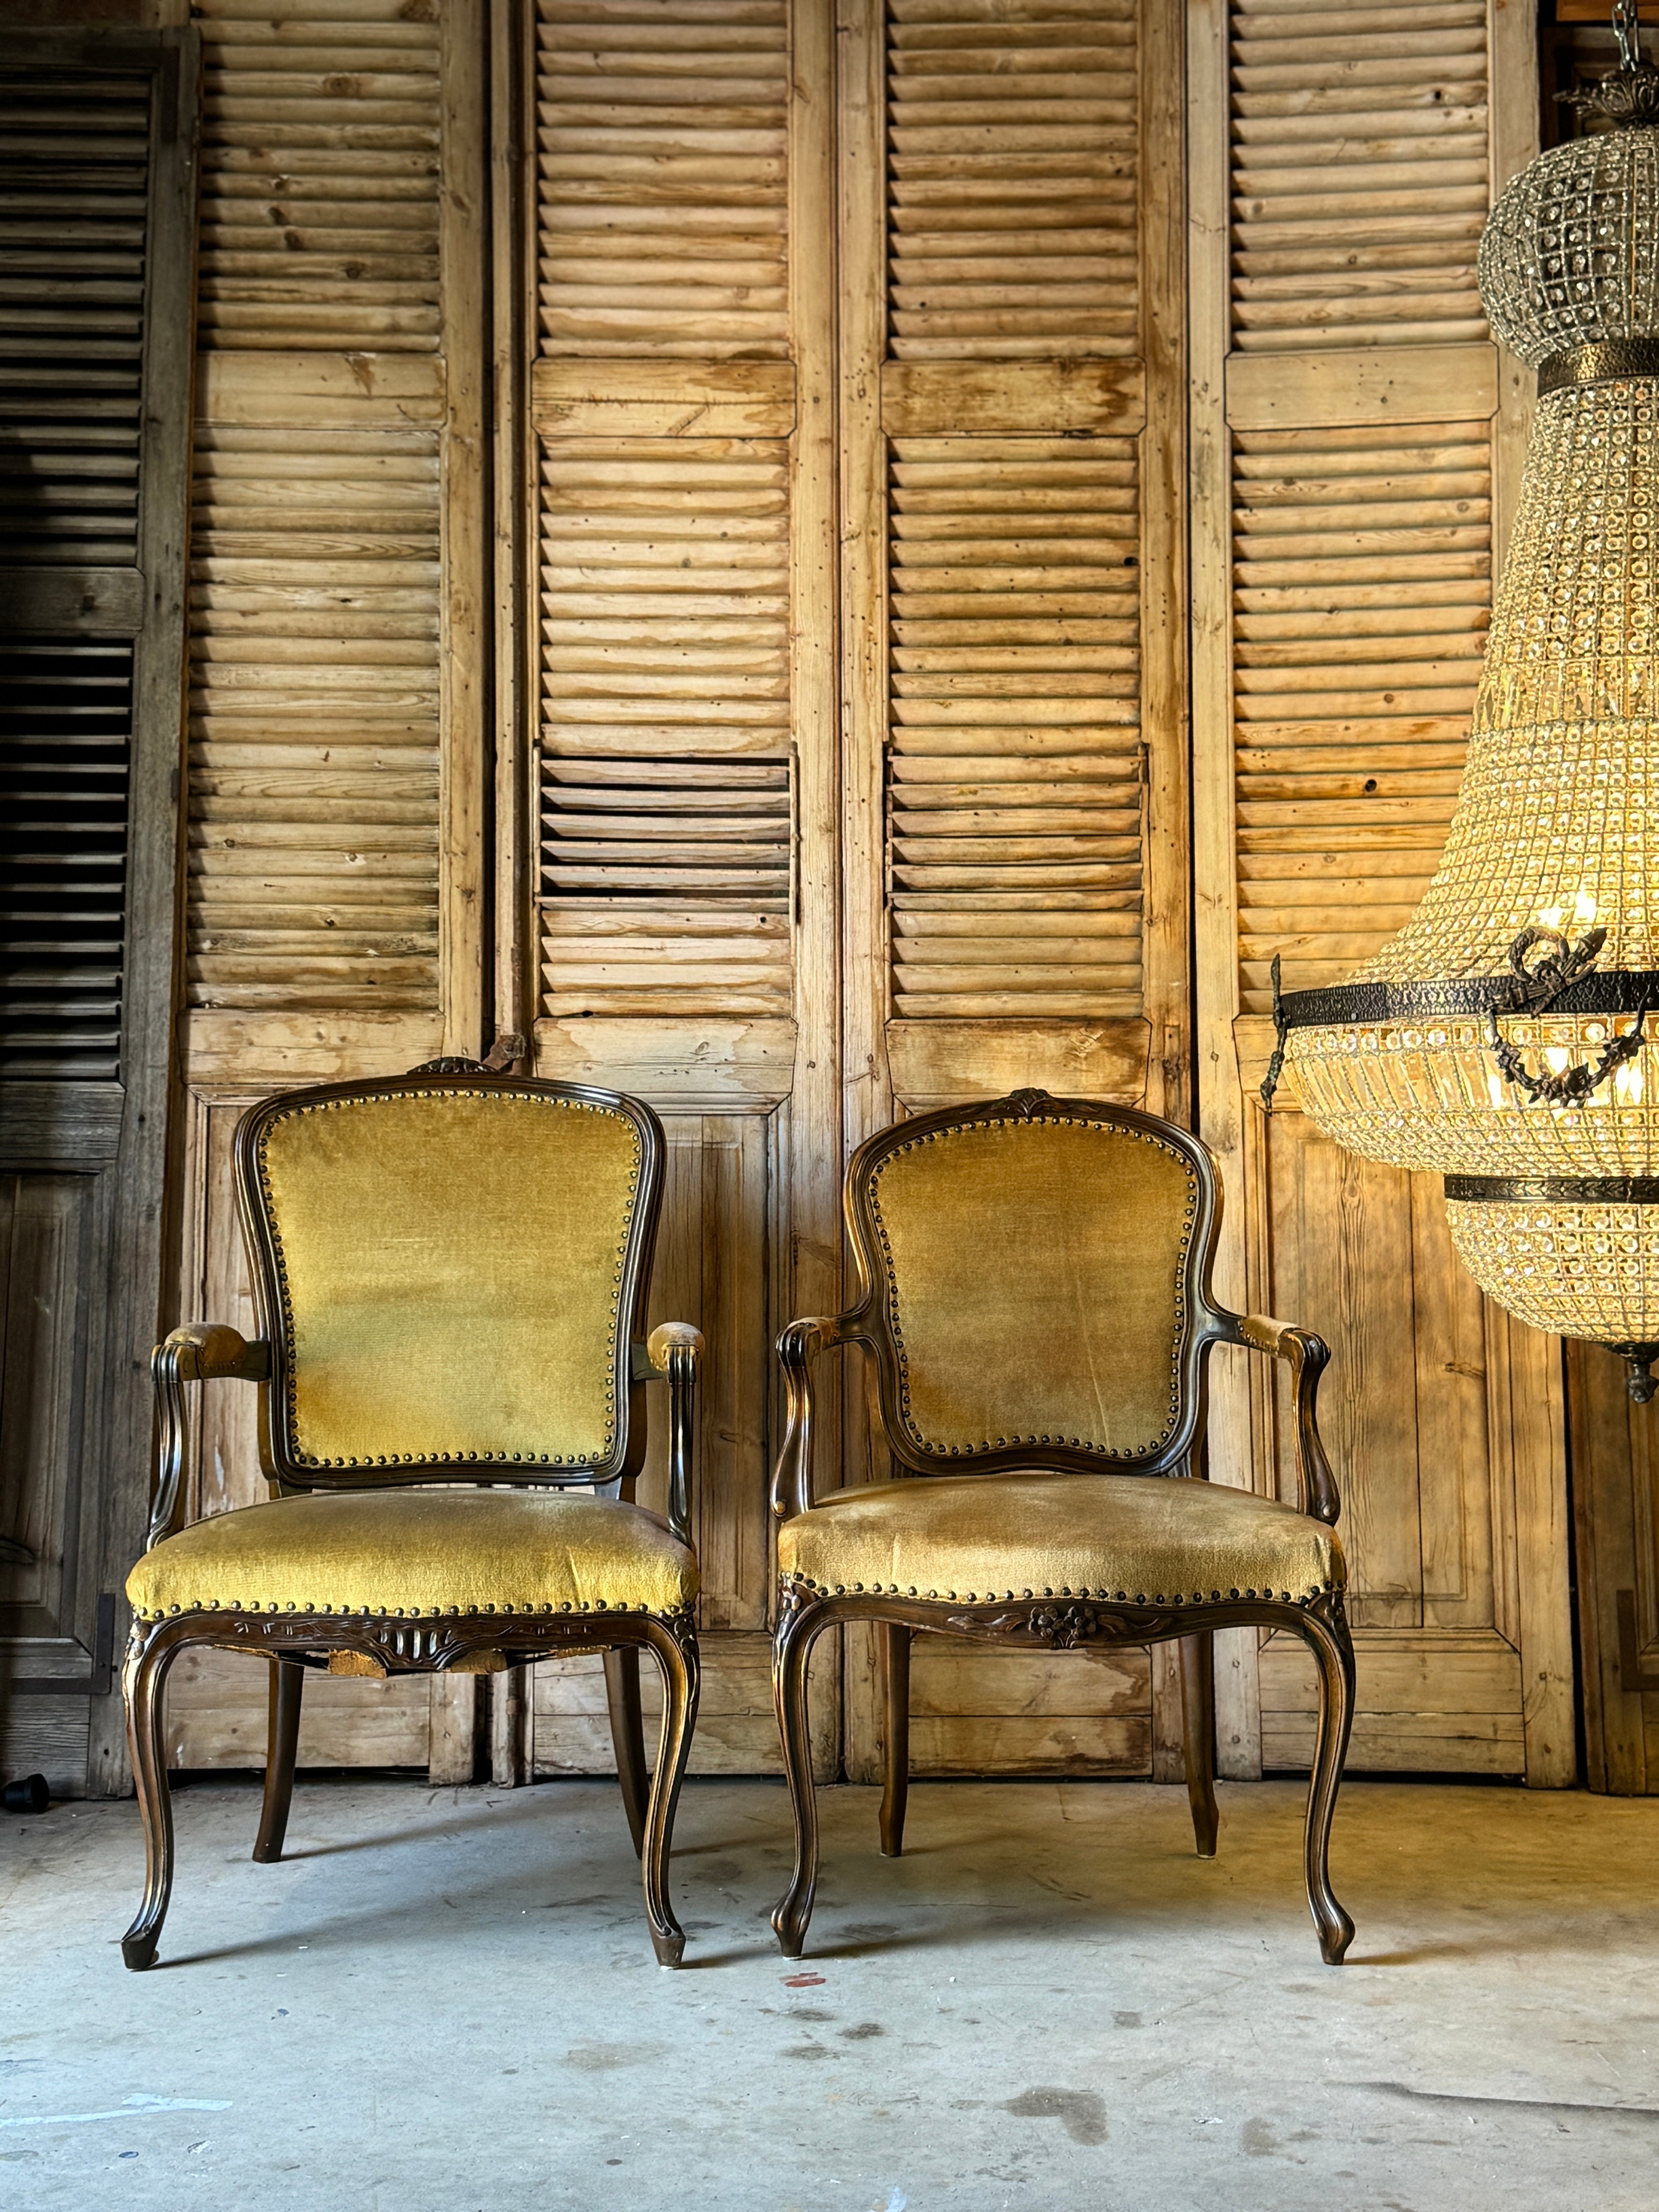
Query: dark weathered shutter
[97, 203]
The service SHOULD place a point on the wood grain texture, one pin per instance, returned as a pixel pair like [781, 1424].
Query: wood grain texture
[736, 1731]
[1362, 586]
[321, 688]
[662, 158]
[1017, 772]
[581, 398]
[666, 816]
[1359, 174]
[321, 154]
[1012, 159]
[1616, 1499]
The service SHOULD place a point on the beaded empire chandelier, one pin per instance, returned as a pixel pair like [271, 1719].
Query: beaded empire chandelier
[1508, 1035]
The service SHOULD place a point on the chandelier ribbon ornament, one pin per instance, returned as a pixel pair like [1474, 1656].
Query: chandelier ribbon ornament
[1508, 1035]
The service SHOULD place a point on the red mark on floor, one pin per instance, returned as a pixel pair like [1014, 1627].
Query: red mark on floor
[802, 1981]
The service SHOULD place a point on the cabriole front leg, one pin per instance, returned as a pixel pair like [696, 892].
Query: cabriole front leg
[1326, 1629]
[797, 1631]
[675, 1646]
[144, 1678]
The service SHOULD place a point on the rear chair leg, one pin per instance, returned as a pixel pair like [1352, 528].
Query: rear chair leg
[1197, 1737]
[676, 1656]
[896, 1775]
[288, 1683]
[144, 1678]
[622, 1690]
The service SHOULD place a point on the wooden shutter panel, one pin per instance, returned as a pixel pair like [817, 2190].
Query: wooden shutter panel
[665, 586]
[1012, 399]
[1353, 447]
[677, 824]
[317, 589]
[338, 635]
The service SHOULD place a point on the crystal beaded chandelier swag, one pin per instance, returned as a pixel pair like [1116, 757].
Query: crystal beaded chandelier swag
[1508, 1035]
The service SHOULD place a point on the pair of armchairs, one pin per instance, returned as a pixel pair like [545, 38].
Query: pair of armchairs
[451, 1269]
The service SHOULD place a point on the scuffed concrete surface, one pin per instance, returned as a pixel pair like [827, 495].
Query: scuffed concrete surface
[446, 2002]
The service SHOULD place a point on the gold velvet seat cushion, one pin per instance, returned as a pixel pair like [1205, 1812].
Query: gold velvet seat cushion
[417, 1551]
[1143, 1538]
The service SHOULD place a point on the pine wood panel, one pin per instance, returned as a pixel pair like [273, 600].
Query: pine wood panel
[1353, 449]
[1011, 165]
[321, 154]
[98, 158]
[336, 822]
[313, 716]
[44, 1221]
[1615, 1470]
[1359, 172]
[1362, 584]
[736, 1733]
[666, 834]
[1014, 402]
[662, 138]
[1016, 775]
[677, 855]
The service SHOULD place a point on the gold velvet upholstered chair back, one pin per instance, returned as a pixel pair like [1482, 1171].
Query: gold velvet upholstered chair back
[1032, 1281]
[450, 1271]
[1034, 1290]
[449, 1274]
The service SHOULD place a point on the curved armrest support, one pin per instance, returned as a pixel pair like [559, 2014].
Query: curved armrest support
[674, 1348]
[200, 1352]
[798, 1346]
[1307, 1356]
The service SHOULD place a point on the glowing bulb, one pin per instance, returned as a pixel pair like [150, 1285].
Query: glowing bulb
[1549, 916]
[1584, 909]
[1628, 1083]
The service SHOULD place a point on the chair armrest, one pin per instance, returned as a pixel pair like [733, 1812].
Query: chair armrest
[798, 1346]
[1307, 1356]
[674, 1348]
[200, 1352]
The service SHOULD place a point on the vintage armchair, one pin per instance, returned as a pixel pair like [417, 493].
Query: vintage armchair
[451, 1270]
[1035, 1291]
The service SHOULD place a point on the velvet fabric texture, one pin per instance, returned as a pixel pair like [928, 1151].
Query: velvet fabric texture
[450, 1263]
[416, 1551]
[1034, 1279]
[1142, 1538]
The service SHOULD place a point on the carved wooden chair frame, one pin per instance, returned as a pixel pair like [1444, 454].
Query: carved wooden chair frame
[296, 1641]
[1050, 1623]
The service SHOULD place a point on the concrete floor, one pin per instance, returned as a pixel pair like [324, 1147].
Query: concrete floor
[1047, 2004]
